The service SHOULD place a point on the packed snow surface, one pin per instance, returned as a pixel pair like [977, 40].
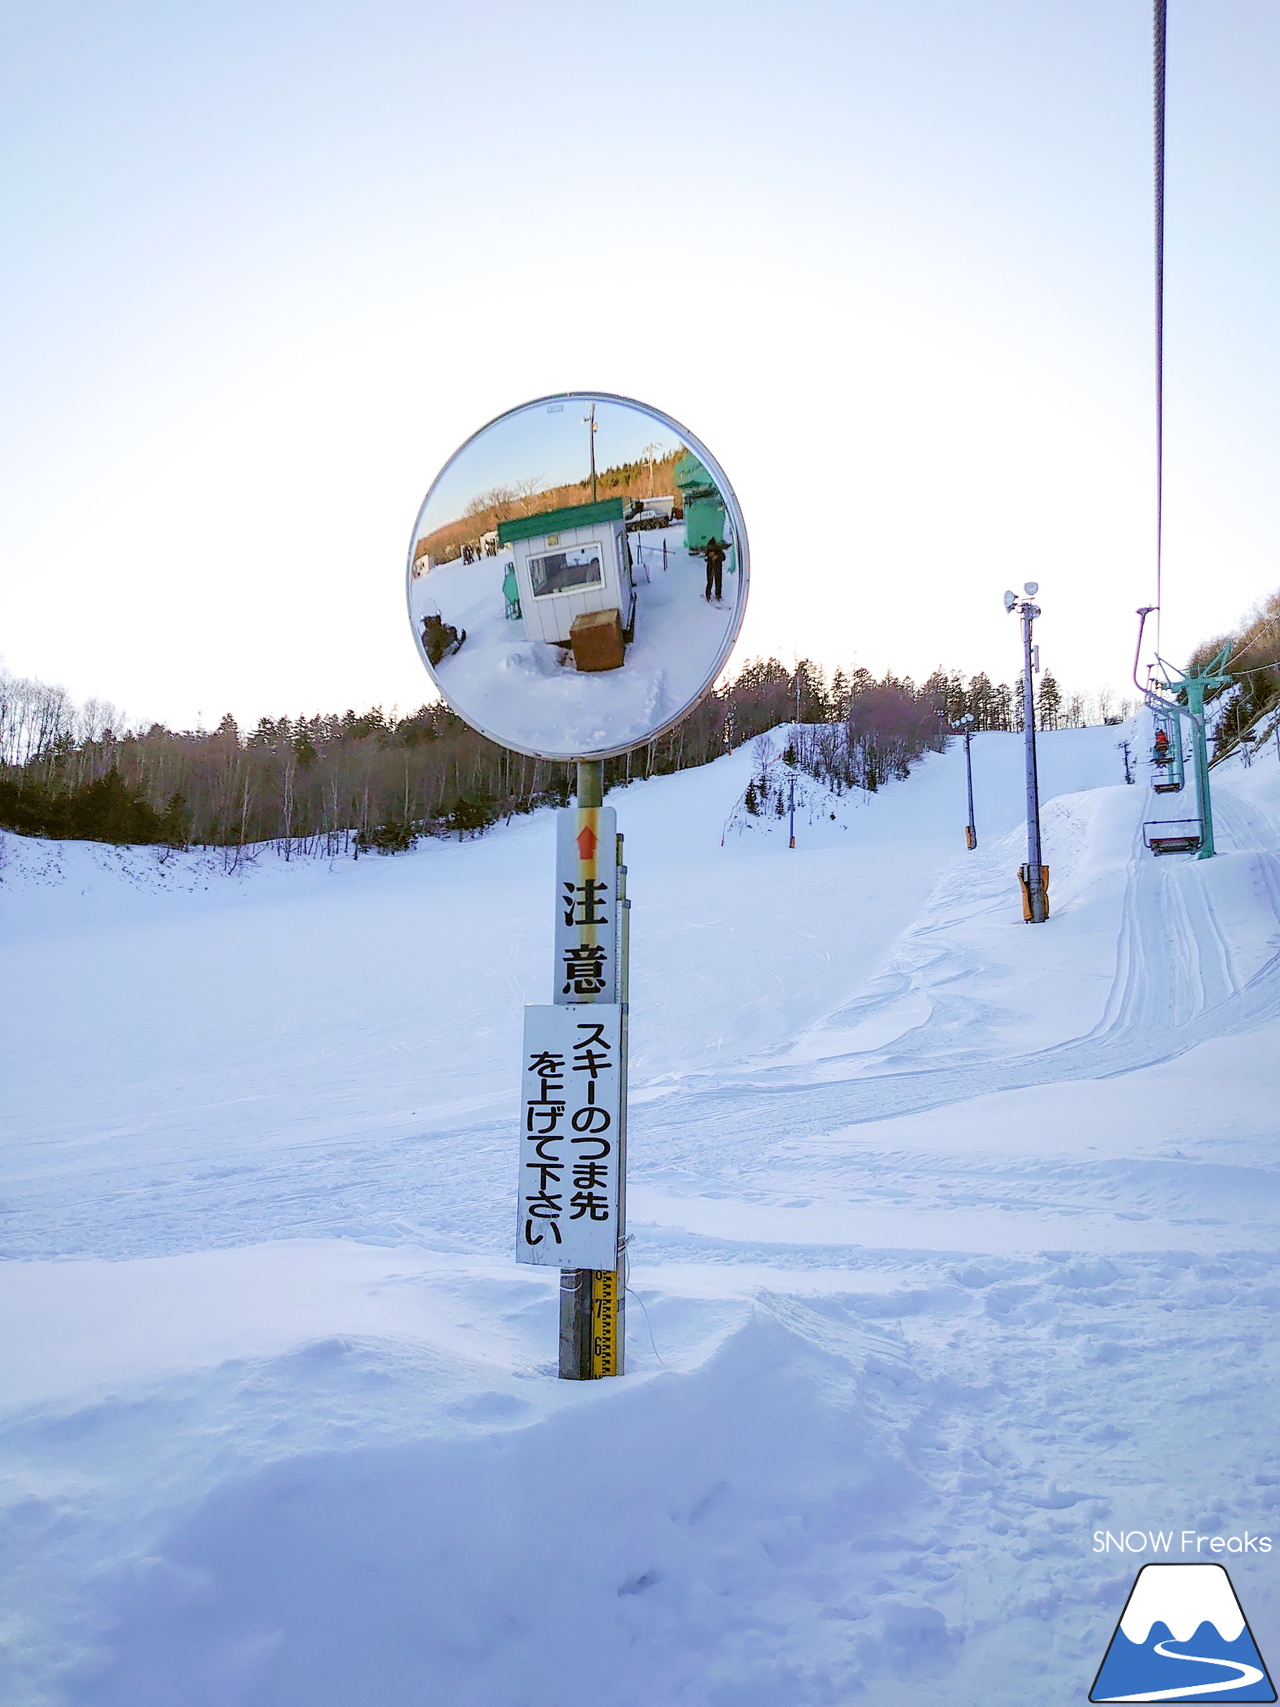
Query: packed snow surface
[954, 1247]
[527, 690]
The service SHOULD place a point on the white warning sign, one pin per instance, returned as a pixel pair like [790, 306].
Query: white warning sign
[586, 905]
[570, 1136]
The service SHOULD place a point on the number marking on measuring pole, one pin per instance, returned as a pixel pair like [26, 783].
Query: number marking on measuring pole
[604, 1322]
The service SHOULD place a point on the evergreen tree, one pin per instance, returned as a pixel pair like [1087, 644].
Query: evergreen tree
[1050, 710]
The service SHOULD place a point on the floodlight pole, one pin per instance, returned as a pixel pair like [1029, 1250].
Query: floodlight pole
[1036, 901]
[965, 727]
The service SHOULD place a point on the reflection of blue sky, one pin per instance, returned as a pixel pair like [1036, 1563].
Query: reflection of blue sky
[547, 443]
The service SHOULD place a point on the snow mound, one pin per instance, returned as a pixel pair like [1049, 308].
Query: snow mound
[954, 1242]
[682, 1520]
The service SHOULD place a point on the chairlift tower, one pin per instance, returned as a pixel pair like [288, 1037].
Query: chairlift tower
[1182, 693]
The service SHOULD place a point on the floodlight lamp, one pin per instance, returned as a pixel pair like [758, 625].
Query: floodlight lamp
[1031, 588]
[1010, 599]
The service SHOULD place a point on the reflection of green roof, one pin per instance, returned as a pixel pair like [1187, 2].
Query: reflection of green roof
[559, 521]
[693, 479]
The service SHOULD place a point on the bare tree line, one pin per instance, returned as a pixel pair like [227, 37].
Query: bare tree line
[351, 783]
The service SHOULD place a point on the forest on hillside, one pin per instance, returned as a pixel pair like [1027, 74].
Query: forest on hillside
[1250, 705]
[355, 782]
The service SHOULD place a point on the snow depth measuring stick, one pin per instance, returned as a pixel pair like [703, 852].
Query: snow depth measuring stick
[543, 626]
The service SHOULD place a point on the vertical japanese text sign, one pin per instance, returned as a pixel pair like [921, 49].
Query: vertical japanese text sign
[586, 904]
[570, 1130]
[571, 1140]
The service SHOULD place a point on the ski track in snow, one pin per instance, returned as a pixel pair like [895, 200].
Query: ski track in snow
[958, 1245]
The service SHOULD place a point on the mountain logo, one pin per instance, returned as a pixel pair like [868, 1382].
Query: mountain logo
[1182, 1637]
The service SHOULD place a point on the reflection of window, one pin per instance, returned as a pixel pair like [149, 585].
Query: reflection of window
[561, 571]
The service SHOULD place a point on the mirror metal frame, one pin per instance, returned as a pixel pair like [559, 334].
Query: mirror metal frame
[744, 570]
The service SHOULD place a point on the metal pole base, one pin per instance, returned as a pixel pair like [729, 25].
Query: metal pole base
[1035, 899]
[591, 1323]
[575, 1324]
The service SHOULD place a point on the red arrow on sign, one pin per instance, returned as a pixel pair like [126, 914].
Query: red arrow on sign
[587, 843]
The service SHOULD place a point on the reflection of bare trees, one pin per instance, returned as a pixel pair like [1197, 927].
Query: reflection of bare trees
[500, 503]
[651, 475]
[481, 518]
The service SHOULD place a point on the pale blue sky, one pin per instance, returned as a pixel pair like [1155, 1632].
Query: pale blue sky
[267, 265]
[548, 443]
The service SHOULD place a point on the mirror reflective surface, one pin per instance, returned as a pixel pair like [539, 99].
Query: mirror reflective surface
[577, 576]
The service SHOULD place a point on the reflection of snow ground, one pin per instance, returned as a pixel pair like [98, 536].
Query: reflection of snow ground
[528, 690]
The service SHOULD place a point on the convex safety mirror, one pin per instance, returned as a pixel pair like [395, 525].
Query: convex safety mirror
[577, 576]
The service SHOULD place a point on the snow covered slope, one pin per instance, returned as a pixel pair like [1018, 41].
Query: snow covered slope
[954, 1242]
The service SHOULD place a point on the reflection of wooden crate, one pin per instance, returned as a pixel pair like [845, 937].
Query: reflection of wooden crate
[596, 638]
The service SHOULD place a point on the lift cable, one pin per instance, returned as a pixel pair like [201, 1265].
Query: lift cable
[1159, 57]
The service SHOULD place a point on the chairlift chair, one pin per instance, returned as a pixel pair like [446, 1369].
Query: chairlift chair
[1166, 756]
[1172, 835]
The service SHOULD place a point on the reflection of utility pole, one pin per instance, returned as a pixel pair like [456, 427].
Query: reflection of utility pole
[589, 421]
[650, 455]
[1037, 902]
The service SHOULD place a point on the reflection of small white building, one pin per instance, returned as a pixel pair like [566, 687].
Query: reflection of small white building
[569, 563]
[652, 512]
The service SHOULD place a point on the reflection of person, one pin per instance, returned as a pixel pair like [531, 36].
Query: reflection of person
[511, 592]
[439, 638]
[715, 568]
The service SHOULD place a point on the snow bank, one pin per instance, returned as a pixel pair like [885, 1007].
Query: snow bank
[955, 1241]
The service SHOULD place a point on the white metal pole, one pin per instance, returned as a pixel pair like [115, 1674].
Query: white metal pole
[1035, 874]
